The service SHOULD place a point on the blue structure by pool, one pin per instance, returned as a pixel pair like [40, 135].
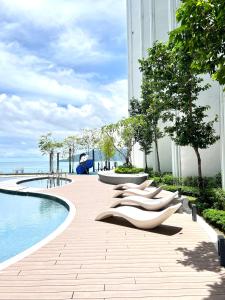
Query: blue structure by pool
[26, 220]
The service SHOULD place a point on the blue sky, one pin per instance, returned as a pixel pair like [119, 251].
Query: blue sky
[63, 67]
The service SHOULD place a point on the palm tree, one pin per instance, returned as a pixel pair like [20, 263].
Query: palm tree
[70, 146]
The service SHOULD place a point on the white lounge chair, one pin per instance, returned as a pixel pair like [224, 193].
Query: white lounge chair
[140, 218]
[150, 193]
[129, 185]
[149, 204]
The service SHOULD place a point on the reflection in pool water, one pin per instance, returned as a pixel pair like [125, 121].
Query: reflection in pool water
[49, 182]
[26, 220]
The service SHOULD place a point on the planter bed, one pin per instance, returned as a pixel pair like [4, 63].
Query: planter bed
[114, 178]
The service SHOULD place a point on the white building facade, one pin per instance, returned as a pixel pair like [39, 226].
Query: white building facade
[148, 21]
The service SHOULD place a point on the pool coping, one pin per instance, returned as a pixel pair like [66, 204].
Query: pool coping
[62, 200]
[7, 184]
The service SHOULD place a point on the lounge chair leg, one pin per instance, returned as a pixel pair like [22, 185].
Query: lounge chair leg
[194, 213]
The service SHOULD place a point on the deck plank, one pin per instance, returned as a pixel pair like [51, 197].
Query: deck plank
[113, 260]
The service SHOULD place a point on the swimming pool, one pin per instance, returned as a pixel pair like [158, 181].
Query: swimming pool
[7, 178]
[26, 220]
[48, 182]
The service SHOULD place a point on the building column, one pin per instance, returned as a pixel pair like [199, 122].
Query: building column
[130, 50]
[176, 155]
[222, 134]
[152, 22]
[172, 14]
[176, 160]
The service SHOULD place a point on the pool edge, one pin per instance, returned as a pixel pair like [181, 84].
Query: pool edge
[71, 214]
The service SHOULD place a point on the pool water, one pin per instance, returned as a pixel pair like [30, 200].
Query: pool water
[7, 178]
[45, 182]
[26, 220]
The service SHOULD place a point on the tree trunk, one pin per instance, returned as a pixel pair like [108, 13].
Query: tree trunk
[146, 163]
[50, 162]
[57, 162]
[69, 160]
[118, 150]
[157, 155]
[200, 179]
[93, 157]
[128, 163]
[72, 160]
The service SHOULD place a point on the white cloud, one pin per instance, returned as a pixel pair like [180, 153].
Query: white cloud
[28, 119]
[54, 13]
[36, 78]
[28, 74]
[77, 45]
[46, 82]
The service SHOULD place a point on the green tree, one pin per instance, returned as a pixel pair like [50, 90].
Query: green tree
[106, 145]
[48, 145]
[143, 135]
[190, 126]
[70, 146]
[172, 88]
[153, 89]
[201, 34]
[122, 133]
[89, 139]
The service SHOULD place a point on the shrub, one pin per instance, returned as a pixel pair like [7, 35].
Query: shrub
[218, 179]
[186, 190]
[128, 170]
[211, 198]
[215, 217]
[208, 182]
[157, 180]
[168, 178]
[150, 172]
[190, 181]
[192, 200]
[216, 197]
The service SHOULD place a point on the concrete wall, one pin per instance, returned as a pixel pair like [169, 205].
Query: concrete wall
[211, 162]
[134, 26]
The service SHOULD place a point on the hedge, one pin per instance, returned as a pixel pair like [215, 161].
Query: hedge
[128, 170]
[168, 178]
[215, 217]
[217, 198]
[186, 190]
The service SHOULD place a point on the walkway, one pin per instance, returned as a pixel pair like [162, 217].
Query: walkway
[113, 260]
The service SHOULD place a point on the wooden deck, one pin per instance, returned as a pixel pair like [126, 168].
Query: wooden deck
[113, 260]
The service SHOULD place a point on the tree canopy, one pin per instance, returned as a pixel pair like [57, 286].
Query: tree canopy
[89, 138]
[156, 77]
[122, 133]
[48, 145]
[201, 34]
[106, 145]
[170, 90]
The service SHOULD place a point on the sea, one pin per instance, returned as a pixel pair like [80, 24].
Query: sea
[38, 166]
